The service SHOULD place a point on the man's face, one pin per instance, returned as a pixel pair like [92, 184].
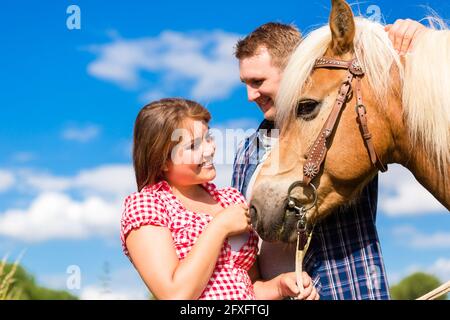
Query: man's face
[262, 80]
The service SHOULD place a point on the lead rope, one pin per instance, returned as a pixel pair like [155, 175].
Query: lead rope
[300, 255]
[436, 293]
[304, 236]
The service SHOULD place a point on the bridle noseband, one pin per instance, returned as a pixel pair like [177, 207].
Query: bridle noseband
[317, 152]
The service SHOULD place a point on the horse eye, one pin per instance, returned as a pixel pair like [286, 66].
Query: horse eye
[307, 109]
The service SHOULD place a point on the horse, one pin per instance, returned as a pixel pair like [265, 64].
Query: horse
[348, 106]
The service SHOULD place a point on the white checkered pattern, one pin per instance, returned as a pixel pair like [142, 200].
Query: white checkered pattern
[156, 205]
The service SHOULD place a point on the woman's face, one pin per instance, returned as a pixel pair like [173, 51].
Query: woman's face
[191, 160]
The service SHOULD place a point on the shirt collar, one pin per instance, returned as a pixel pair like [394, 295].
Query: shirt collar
[163, 185]
[266, 124]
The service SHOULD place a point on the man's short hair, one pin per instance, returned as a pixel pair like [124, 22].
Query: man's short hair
[279, 39]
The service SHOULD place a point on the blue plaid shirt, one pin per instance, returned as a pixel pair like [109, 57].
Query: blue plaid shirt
[344, 258]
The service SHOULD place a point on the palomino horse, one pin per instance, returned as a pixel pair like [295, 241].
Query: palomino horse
[327, 152]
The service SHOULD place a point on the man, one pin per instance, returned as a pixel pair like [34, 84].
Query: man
[344, 258]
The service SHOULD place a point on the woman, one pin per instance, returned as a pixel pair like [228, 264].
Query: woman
[176, 229]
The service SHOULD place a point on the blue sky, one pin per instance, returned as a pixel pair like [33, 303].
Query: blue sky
[69, 99]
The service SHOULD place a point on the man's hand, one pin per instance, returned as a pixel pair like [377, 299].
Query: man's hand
[404, 34]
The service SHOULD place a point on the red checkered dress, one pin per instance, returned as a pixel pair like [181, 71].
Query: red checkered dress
[156, 205]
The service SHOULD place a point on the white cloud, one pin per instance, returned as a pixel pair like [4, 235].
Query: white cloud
[40, 181]
[114, 180]
[402, 195]
[7, 180]
[203, 61]
[81, 134]
[416, 239]
[57, 216]
[440, 268]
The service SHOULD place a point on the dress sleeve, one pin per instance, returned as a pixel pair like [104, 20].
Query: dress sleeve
[141, 209]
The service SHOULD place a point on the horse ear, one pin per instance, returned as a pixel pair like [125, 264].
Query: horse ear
[342, 25]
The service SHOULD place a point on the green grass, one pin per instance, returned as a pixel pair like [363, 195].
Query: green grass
[17, 284]
[7, 289]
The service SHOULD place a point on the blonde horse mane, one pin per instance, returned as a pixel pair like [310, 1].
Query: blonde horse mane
[424, 81]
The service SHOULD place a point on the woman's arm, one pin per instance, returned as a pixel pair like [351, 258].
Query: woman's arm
[264, 290]
[152, 252]
[270, 289]
[153, 255]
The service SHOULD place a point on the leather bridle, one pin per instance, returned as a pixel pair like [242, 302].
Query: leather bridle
[317, 152]
[316, 155]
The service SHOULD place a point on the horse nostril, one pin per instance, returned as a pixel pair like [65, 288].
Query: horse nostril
[252, 211]
[253, 215]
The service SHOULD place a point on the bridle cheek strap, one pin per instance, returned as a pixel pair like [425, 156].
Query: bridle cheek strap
[367, 136]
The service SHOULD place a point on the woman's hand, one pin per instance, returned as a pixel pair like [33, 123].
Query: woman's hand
[287, 287]
[235, 219]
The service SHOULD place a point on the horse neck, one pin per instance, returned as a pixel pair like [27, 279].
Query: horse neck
[414, 157]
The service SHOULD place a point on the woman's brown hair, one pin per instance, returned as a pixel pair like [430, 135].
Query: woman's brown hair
[152, 138]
